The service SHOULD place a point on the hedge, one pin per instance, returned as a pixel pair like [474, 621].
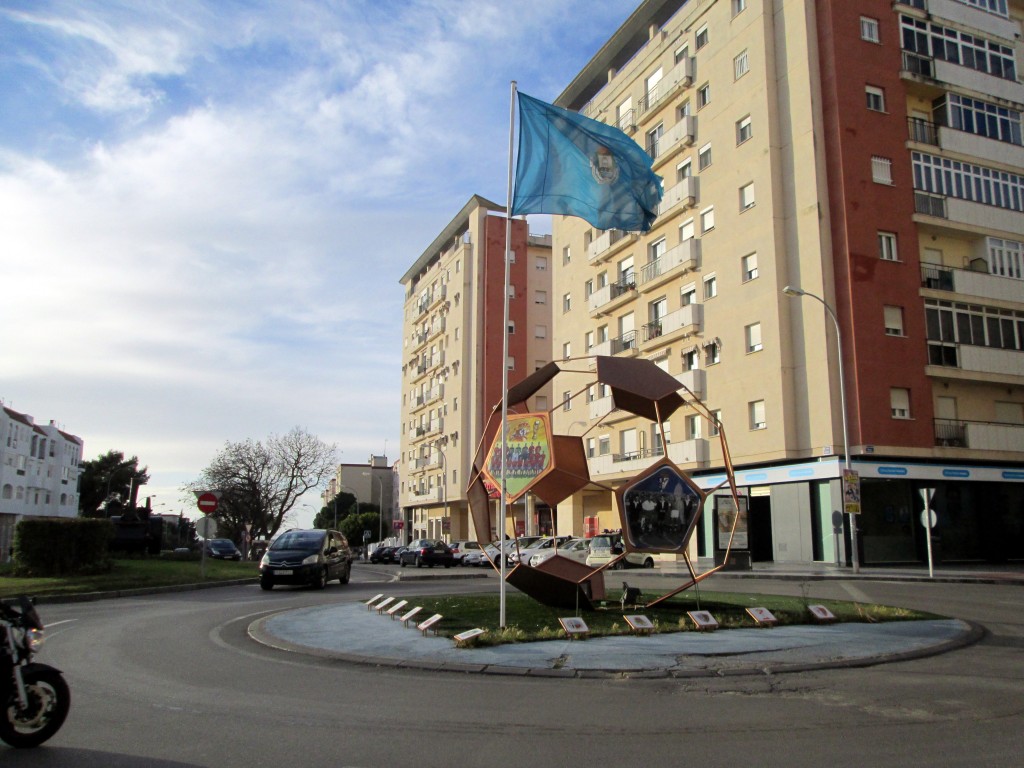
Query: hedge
[61, 547]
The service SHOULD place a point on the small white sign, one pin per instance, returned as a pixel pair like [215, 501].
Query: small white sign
[574, 627]
[397, 607]
[463, 638]
[639, 624]
[763, 617]
[410, 615]
[372, 600]
[703, 620]
[384, 604]
[428, 625]
[821, 613]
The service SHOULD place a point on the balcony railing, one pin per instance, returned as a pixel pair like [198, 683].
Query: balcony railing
[936, 278]
[930, 205]
[923, 131]
[950, 433]
[916, 64]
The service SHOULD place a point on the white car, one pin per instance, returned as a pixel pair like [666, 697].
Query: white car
[608, 546]
[540, 545]
[574, 549]
[462, 548]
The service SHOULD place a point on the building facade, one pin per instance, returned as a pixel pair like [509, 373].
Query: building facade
[371, 483]
[39, 469]
[867, 153]
[452, 357]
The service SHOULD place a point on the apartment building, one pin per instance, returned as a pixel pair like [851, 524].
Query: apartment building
[867, 153]
[371, 483]
[452, 357]
[39, 469]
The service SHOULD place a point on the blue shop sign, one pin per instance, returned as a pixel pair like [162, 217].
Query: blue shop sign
[892, 470]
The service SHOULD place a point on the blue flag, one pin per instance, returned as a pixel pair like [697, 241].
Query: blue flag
[576, 166]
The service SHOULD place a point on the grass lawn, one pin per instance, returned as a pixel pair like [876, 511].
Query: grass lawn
[128, 573]
[528, 620]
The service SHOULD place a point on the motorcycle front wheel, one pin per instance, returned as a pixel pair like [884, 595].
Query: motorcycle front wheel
[48, 702]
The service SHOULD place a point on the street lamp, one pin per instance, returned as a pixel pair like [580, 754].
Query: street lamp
[792, 291]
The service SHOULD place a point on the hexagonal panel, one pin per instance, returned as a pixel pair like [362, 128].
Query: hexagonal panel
[659, 509]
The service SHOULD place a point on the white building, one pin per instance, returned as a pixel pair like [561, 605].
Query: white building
[39, 469]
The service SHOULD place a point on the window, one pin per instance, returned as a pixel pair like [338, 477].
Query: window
[893, 321]
[681, 53]
[654, 140]
[899, 402]
[869, 29]
[540, 332]
[958, 47]
[684, 170]
[981, 118]
[542, 402]
[693, 427]
[744, 129]
[541, 264]
[651, 84]
[591, 447]
[740, 65]
[704, 157]
[588, 289]
[881, 170]
[686, 231]
[566, 350]
[747, 198]
[588, 341]
[540, 297]
[691, 360]
[511, 363]
[1005, 258]
[566, 255]
[702, 37]
[604, 445]
[511, 327]
[714, 422]
[710, 287]
[624, 115]
[749, 267]
[887, 246]
[707, 219]
[688, 295]
[875, 98]
[756, 412]
[966, 181]
[738, 6]
[511, 291]
[567, 401]
[752, 334]
[704, 95]
[567, 302]
[712, 354]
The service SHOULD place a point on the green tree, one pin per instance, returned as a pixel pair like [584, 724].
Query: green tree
[108, 478]
[341, 506]
[354, 525]
[260, 482]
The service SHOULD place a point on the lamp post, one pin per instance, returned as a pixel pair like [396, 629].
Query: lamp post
[792, 291]
[444, 483]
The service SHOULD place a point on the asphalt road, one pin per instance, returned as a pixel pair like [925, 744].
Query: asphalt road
[174, 680]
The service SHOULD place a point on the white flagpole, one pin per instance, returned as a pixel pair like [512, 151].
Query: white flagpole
[504, 360]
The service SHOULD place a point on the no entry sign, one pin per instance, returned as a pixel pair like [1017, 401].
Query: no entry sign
[207, 502]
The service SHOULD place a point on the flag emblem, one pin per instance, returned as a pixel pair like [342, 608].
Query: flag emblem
[603, 166]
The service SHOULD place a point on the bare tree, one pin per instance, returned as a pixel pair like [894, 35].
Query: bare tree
[260, 482]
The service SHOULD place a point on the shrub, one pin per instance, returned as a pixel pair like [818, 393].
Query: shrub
[61, 547]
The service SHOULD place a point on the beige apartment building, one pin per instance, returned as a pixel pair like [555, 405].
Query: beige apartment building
[452, 345]
[869, 154]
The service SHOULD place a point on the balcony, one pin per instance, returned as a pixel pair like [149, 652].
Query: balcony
[613, 295]
[969, 362]
[674, 81]
[427, 364]
[608, 244]
[676, 261]
[679, 324]
[433, 427]
[425, 496]
[925, 69]
[928, 204]
[694, 380]
[429, 397]
[979, 435]
[687, 452]
[959, 142]
[682, 196]
[603, 409]
[966, 215]
[975, 283]
[679, 136]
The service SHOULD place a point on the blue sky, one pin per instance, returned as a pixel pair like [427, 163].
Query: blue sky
[206, 207]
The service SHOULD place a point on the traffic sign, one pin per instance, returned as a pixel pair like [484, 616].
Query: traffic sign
[207, 502]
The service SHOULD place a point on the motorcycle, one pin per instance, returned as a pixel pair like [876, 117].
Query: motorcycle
[34, 697]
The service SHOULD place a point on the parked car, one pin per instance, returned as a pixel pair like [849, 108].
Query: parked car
[574, 549]
[462, 548]
[523, 542]
[475, 557]
[383, 555]
[607, 546]
[540, 545]
[306, 556]
[427, 552]
[222, 549]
